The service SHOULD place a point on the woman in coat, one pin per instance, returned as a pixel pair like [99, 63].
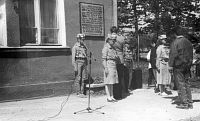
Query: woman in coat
[163, 74]
[109, 57]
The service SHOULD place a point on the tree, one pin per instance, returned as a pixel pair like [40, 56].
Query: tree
[158, 15]
[173, 13]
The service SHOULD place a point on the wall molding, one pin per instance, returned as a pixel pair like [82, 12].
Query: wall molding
[24, 52]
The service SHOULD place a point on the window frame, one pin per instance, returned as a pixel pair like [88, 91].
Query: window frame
[60, 24]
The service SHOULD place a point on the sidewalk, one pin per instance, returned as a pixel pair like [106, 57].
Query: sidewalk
[142, 105]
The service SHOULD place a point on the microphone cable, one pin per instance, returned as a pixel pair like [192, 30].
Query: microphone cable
[66, 100]
[61, 106]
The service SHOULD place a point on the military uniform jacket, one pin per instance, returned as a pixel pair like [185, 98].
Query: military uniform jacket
[181, 53]
[79, 51]
[109, 53]
[128, 53]
[109, 56]
[119, 47]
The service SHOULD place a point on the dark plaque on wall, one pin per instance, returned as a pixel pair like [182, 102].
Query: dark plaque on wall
[92, 19]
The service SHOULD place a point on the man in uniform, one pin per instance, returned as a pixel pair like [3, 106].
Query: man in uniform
[79, 61]
[121, 89]
[180, 61]
[128, 62]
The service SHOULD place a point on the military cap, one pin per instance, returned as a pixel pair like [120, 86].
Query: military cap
[80, 35]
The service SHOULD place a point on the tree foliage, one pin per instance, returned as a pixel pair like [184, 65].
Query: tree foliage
[155, 17]
[159, 15]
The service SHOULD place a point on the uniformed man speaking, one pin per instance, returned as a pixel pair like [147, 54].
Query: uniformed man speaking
[79, 61]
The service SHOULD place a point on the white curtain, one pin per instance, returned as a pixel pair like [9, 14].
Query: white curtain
[49, 26]
[27, 21]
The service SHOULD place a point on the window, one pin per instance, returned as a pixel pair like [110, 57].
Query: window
[41, 23]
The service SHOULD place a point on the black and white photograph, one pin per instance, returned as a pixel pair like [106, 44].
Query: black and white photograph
[99, 60]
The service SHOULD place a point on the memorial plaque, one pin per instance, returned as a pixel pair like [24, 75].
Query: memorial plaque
[92, 19]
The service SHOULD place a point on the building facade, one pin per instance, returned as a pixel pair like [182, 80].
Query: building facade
[36, 37]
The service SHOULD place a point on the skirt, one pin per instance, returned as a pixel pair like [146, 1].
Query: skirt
[112, 76]
[164, 77]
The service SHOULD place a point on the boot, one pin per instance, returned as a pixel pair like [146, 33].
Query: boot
[183, 106]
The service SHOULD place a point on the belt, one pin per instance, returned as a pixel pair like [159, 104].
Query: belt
[165, 60]
[127, 60]
[110, 59]
[162, 61]
[80, 58]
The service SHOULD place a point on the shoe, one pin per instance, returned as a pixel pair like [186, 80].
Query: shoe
[156, 90]
[164, 94]
[114, 100]
[110, 100]
[78, 93]
[190, 106]
[182, 106]
[129, 90]
[176, 102]
[168, 92]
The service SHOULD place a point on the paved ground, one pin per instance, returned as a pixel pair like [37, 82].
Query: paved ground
[142, 105]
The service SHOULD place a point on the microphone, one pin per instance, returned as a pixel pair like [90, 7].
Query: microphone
[90, 54]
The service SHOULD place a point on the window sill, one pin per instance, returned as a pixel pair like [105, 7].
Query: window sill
[34, 51]
[37, 46]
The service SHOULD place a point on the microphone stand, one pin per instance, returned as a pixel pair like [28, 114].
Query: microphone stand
[89, 109]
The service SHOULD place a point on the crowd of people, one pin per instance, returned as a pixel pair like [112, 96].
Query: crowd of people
[117, 56]
[170, 59]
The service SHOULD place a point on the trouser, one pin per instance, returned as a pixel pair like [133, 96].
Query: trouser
[183, 85]
[119, 88]
[155, 76]
[80, 75]
[128, 74]
[120, 71]
[173, 82]
[151, 76]
[197, 70]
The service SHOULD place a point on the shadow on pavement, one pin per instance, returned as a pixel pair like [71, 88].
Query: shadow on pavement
[176, 100]
[196, 100]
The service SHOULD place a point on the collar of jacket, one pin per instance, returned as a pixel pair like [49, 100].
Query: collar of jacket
[114, 33]
[109, 46]
[79, 44]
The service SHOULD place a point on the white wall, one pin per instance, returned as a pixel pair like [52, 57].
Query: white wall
[3, 28]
